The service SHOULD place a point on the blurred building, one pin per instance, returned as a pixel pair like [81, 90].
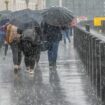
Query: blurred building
[21, 4]
[88, 8]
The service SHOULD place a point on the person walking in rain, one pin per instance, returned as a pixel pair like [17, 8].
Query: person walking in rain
[5, 49]
[2, 42]
[3, 24]
[66, 33]
[31, 47]
[53, 36]
[2, 35]
[13, 39]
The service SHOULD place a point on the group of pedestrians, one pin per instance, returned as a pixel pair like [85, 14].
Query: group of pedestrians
[29, 41]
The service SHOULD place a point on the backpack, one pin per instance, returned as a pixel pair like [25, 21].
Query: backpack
[28, 42]
[29, 34]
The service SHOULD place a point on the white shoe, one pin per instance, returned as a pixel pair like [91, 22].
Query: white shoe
[31, 71]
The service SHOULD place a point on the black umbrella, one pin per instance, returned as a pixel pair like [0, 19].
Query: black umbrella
[35, 14]
[24, 21]
[19, 13]
[4, 17]
[57, 16]
[5, 12]
[3, 22]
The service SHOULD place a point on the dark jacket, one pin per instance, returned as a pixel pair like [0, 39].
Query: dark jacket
[52, 33]
[30, 42]
[64, 27]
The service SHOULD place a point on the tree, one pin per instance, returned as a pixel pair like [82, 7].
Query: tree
[27, 3]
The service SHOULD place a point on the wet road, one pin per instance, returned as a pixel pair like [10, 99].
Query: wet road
[67, 85]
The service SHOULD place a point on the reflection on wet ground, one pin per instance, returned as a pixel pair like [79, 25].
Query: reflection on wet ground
[66, 85]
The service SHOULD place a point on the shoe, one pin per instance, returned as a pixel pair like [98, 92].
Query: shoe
[27, 70]
[15, 70]
[31, 71]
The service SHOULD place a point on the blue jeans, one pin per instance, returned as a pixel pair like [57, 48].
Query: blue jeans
[66, 34]
[52, 52]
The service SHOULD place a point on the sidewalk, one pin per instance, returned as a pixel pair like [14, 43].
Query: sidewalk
[68, 85]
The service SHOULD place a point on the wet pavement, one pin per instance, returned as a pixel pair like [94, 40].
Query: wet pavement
[67, 85]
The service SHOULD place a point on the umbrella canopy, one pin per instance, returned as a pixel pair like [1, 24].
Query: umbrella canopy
[3, 22]
[57, 16]
[24, 21]
[35, 14]
[4, 17]
[19, 13]
[5, 12]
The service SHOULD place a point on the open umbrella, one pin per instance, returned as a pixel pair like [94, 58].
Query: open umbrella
[57, 16]
[4, 17]
[3, 22]
[5, 12]
[20, 12]
[24, 21]
[35, 14]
